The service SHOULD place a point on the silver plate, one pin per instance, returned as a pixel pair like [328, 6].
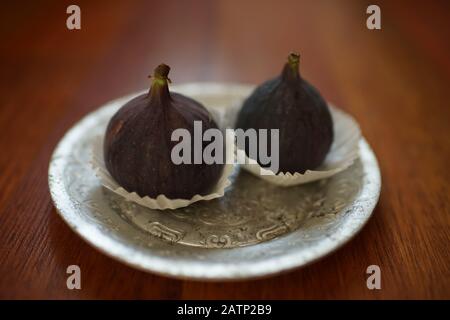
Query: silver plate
[256, 229]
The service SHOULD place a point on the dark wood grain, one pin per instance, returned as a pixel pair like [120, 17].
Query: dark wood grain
[394, 81]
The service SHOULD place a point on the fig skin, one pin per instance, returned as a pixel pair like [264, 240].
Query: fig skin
[292, 105]
[137, 144]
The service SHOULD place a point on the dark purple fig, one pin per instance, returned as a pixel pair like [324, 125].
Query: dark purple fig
[137, 145]
[295, 107]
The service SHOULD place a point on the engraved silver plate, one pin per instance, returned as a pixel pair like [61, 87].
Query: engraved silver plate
[256, 229]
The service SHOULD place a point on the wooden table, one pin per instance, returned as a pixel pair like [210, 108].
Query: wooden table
[395, 82]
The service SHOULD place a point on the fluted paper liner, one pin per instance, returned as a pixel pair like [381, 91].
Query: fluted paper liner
[161, 202]
[344, 151]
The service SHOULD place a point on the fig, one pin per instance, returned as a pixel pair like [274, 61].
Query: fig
[292, 105]
[137, 144]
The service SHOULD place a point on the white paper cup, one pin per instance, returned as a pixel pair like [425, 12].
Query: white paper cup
[343, 152]
[161, 202]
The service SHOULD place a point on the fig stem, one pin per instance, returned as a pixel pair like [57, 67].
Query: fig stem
[160, 74]
[294, 61]
[160, 80]
[290, 70]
